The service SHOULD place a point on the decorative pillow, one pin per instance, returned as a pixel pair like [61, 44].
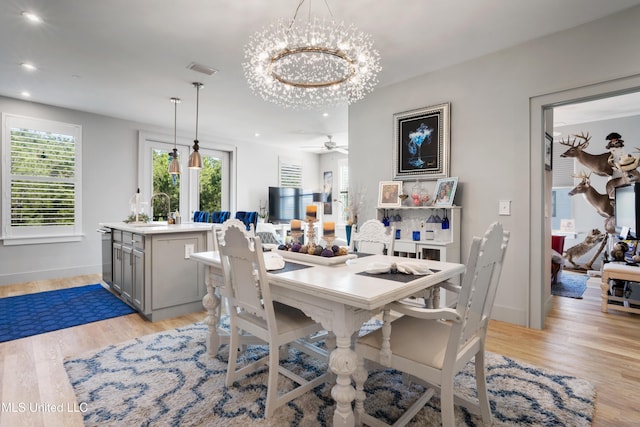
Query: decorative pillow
[266, 237]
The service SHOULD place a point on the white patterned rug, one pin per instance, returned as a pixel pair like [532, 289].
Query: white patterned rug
[167, 379]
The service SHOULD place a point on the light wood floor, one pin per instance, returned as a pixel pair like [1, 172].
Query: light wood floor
[578, 340]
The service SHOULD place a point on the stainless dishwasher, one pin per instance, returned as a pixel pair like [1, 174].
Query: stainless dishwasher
[107, 274]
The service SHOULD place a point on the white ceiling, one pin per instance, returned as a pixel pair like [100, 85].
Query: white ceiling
[600, 109]
[126, 59]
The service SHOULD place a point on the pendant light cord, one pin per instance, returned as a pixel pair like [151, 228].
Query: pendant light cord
[175, 122]
[197, 106]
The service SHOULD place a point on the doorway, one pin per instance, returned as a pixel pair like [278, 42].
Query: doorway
[541, 119]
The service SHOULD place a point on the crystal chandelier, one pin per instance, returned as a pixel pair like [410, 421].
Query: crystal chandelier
[311, 65]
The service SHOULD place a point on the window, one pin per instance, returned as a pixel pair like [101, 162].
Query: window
[290, 173]
[41, 175]
[212, 181]
[206, 189]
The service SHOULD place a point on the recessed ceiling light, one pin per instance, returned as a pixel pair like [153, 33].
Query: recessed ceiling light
[25, 94]
[257, 134]
[32, 17]
[28, 66]
[325, 114]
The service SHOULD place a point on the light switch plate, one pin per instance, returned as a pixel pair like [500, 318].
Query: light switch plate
[188, 250]
[504, 207]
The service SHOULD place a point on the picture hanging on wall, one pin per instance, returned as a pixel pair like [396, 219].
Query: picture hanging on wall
[326, 192]
[548, 151]
[422, 141]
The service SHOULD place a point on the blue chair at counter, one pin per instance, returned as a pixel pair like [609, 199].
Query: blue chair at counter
[201, 216]
[249, 218]
[218, 217]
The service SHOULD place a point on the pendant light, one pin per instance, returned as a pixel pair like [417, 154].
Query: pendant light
[195, 161]
[174, 165]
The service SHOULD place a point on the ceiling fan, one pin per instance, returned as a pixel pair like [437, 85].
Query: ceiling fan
[330, 145]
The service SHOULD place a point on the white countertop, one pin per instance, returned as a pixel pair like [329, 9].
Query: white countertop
[158, 227]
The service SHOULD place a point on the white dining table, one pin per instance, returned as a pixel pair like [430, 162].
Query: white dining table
[341, 297]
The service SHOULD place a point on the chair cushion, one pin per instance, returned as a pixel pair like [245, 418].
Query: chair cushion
[287, 318]
[267, 238]
[423, 341]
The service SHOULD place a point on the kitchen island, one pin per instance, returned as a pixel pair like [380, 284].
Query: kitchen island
[151, 270]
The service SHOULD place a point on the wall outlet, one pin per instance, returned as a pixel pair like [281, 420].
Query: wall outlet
[504, 207]
[188, 250]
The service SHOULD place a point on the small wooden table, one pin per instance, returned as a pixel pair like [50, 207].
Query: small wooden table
[341, 297]
[619, 271]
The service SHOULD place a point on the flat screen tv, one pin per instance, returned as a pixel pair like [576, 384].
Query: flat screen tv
[286, 203]
[627, 210]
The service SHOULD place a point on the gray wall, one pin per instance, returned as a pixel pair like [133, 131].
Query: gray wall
[491, 138]
[109, 173]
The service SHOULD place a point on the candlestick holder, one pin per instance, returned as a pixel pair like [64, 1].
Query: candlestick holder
[295, 235]
[310, 231]
[329, 240]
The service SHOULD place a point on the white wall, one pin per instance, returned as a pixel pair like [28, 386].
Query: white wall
[490, 135]
[109, 170]
[330, 162]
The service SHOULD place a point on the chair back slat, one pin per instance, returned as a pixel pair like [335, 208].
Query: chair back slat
[218, 217]
[479, 285]
[246, 285]
[373, 238]
[248, 218]
[201, 216]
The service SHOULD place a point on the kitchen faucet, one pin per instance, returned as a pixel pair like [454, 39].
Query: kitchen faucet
[168, 203]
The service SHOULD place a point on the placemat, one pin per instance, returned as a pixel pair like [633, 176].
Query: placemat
[398, 277]
[290, 266]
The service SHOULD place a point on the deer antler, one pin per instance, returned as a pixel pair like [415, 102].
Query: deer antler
[586, 138]
[568, 142]
[582, 175]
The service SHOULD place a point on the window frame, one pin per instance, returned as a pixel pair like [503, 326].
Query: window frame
[37, 235]
[190, 178]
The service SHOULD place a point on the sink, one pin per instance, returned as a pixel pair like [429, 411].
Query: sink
[148, 224]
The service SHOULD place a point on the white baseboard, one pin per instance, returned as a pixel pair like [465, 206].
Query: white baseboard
[31, 276]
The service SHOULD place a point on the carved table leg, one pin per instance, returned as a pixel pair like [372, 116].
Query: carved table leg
[605, 293]
[211, 303]
[342, 362]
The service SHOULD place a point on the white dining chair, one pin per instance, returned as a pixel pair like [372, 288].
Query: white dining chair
[433, 345]
[252, 310]
[372, 237]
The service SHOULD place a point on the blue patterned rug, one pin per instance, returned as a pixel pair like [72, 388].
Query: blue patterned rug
[32, 314]
[570, 285]
[167, 379]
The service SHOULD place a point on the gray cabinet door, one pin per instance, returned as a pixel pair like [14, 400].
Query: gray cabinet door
[176, 279]
[117, 266]
[137, 259]
[127, 273]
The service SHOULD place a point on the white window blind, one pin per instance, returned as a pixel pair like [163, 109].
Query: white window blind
[290, 173]
[41, 179]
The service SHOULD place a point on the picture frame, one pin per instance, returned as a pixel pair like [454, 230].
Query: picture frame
[548, 152]
[422, 143]
[389, 194]
[445, 191]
